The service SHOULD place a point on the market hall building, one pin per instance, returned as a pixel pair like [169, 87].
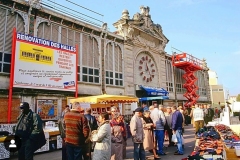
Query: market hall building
[130, 61]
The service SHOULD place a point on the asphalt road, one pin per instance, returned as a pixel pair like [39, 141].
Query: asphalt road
[189, 139]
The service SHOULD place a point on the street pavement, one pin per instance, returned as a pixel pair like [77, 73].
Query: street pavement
[189, 139]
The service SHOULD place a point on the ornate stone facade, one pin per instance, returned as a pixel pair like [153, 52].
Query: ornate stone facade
[143, 39]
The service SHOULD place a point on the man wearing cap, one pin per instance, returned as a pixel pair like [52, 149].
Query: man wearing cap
[136, 128]
[77, 130]
[29, 129]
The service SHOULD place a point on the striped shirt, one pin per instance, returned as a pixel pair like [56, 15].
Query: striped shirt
[77, 128]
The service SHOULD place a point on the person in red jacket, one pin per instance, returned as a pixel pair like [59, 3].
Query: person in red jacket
[77, 130]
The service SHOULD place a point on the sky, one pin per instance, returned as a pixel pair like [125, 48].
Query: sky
[207, 29]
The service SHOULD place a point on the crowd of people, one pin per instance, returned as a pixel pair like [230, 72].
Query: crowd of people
[105, 138]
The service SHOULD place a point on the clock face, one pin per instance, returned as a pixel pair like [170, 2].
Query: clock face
[147, 68]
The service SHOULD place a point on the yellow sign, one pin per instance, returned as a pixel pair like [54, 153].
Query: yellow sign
[36, 54]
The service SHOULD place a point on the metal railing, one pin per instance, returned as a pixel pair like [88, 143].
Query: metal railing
[184, 57]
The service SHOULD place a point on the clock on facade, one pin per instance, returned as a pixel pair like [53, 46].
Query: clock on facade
[147, 68]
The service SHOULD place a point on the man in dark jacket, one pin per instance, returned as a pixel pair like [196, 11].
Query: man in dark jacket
[177, 121]
[29, 129]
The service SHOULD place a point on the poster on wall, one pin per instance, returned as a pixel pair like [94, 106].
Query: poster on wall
[47, 109]
[43, 64]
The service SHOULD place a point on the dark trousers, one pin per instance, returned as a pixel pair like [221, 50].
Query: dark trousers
[64, 150]
[169, 131]
[74, 153]
[87, 151]
[26, 151]
[139, 152]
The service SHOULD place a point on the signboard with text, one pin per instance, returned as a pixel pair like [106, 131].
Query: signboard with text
[43, 64]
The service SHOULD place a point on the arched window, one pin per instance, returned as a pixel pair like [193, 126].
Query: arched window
[7, 22]
[90, 59]
[113, 65]
[169, 75]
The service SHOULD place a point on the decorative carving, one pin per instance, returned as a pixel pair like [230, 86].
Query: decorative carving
[145, 41]
[34, 4]
[130, 32]
[125, 14]
[137, 17]
[145, 11]
[25, 20]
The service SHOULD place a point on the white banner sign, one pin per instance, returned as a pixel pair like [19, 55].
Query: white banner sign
[43, 65]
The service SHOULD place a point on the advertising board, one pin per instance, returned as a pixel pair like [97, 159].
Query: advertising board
[43, 64]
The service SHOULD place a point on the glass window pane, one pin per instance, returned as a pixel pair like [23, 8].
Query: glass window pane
[7, 58]
[84, 70]
[107, 75]
[90, 71]
[6, 68]
[1, 56]
[78, 69]
[111, 81]
[78, 77]
[90, 78]
[111, 74]
[0, 67]
[116, 75]
[96, 72]
[96, 79]
[120, 76]
[121, 82]
[84, 78]
[107, 81]
[116, 82]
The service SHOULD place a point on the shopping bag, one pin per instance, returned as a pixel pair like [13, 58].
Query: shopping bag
[174, 138]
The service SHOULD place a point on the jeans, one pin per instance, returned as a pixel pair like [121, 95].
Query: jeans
[139, 152]
[160, 140]
[74, 153]
[26, 151]
[179, 139]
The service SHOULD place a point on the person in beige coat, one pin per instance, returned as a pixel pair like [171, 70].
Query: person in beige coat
[148, 140]
[136, 128]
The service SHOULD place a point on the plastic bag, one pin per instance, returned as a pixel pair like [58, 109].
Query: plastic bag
[174, 138]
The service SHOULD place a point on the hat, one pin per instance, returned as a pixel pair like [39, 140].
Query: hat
[139, 109]
[228, 102]
[180, 107]
[24, 105]
[168, 107]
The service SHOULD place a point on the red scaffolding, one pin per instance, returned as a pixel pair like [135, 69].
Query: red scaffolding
[189, 64]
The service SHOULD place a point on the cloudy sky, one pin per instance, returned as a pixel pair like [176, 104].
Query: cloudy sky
[207, 29]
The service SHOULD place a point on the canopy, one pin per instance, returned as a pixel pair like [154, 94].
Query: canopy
[105, 99]
[152, 98]
[153, 91]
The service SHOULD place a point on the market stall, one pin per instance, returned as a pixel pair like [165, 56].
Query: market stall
[102, 103]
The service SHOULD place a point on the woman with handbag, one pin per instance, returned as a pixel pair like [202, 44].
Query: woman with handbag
[102, 137]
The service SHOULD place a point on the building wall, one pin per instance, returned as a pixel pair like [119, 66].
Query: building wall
[217, 94]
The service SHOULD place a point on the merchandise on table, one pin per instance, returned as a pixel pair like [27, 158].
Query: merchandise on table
[208, 145]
